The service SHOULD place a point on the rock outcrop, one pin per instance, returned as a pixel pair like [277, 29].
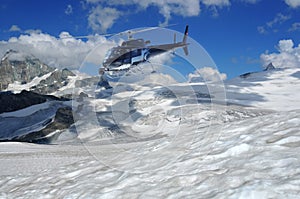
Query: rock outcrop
[13, 102]
[63, 120]
[18, 67]
[55, 81]
[15, 66]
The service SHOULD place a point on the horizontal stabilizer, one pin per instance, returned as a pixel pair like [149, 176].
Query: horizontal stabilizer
[186, 51]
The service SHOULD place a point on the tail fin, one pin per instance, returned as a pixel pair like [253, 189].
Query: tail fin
[174, 38]
[186, 32]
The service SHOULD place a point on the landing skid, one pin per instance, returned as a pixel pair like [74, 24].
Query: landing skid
[127, 67]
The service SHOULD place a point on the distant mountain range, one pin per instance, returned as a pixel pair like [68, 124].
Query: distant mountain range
[25, 83]
[16, 67]
[39, 103]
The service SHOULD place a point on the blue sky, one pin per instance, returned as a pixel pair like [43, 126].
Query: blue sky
[234, 32]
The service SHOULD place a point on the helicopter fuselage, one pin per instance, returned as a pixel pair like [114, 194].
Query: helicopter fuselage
[135, 51]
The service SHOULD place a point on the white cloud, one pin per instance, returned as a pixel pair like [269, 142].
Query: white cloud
[262, 30]
[162, 59]
[62, 52]
[295, 27]
[216, 2]
[293, 3]
[273, 24]
[206, 74]
[287, 57]
[159, 78]
[101, 19]
[285, 45]
[184, 8]
[69, 10]
[250, 1]
[31, 31]
[167, 8]
[279, 19]
[15, 28]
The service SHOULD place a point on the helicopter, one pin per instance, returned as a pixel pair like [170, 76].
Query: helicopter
[136, 51]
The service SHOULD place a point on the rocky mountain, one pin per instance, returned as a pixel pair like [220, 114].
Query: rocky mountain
[62, 120]
[28, 112]
[32, 117]
[13, 102]
[17, 68]
[269, 67]
[35, 98]
[54, 82]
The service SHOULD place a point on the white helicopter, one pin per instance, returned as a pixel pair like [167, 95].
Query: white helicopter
[136, 51]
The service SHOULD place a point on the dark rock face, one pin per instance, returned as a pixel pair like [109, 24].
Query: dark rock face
[62, 120]
[245, 75]
[270, 67]
[37, 127]
[12, 102]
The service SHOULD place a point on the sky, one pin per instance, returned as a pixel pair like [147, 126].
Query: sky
[240, 35]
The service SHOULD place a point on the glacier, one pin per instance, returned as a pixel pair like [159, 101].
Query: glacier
[175, 141]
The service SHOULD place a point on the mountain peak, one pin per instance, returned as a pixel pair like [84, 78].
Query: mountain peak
[13, 55]
[270, 67]
[21, 67]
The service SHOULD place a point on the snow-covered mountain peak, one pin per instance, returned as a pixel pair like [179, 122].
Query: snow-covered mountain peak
[270, 66]
[20, 71]
[12, 55]
[277, 89]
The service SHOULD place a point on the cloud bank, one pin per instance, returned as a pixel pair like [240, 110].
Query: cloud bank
[103, 14]
[65, 51]
[288, 55]
[206, 74]
[293, 3]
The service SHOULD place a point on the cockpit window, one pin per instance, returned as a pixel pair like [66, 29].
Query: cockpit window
[108, 54]
[136, 52]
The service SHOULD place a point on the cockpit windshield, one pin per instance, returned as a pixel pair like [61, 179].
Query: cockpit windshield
[107, 55]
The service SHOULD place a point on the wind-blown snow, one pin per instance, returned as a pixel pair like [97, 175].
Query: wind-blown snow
[169, 143]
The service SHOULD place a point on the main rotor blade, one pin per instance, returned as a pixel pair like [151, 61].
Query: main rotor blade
[143, 29]
[129, 33]
[86, 36]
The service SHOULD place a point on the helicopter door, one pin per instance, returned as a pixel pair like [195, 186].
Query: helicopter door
[136, 56]
[127, 58]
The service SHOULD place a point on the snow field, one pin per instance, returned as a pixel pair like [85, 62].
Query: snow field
[150, 143]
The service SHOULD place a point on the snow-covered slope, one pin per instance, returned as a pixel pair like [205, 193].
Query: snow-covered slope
[277, 89]
[169, 141]
[252, 158]
[31, 119]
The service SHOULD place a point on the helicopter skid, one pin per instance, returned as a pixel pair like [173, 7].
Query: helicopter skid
[123, 67]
